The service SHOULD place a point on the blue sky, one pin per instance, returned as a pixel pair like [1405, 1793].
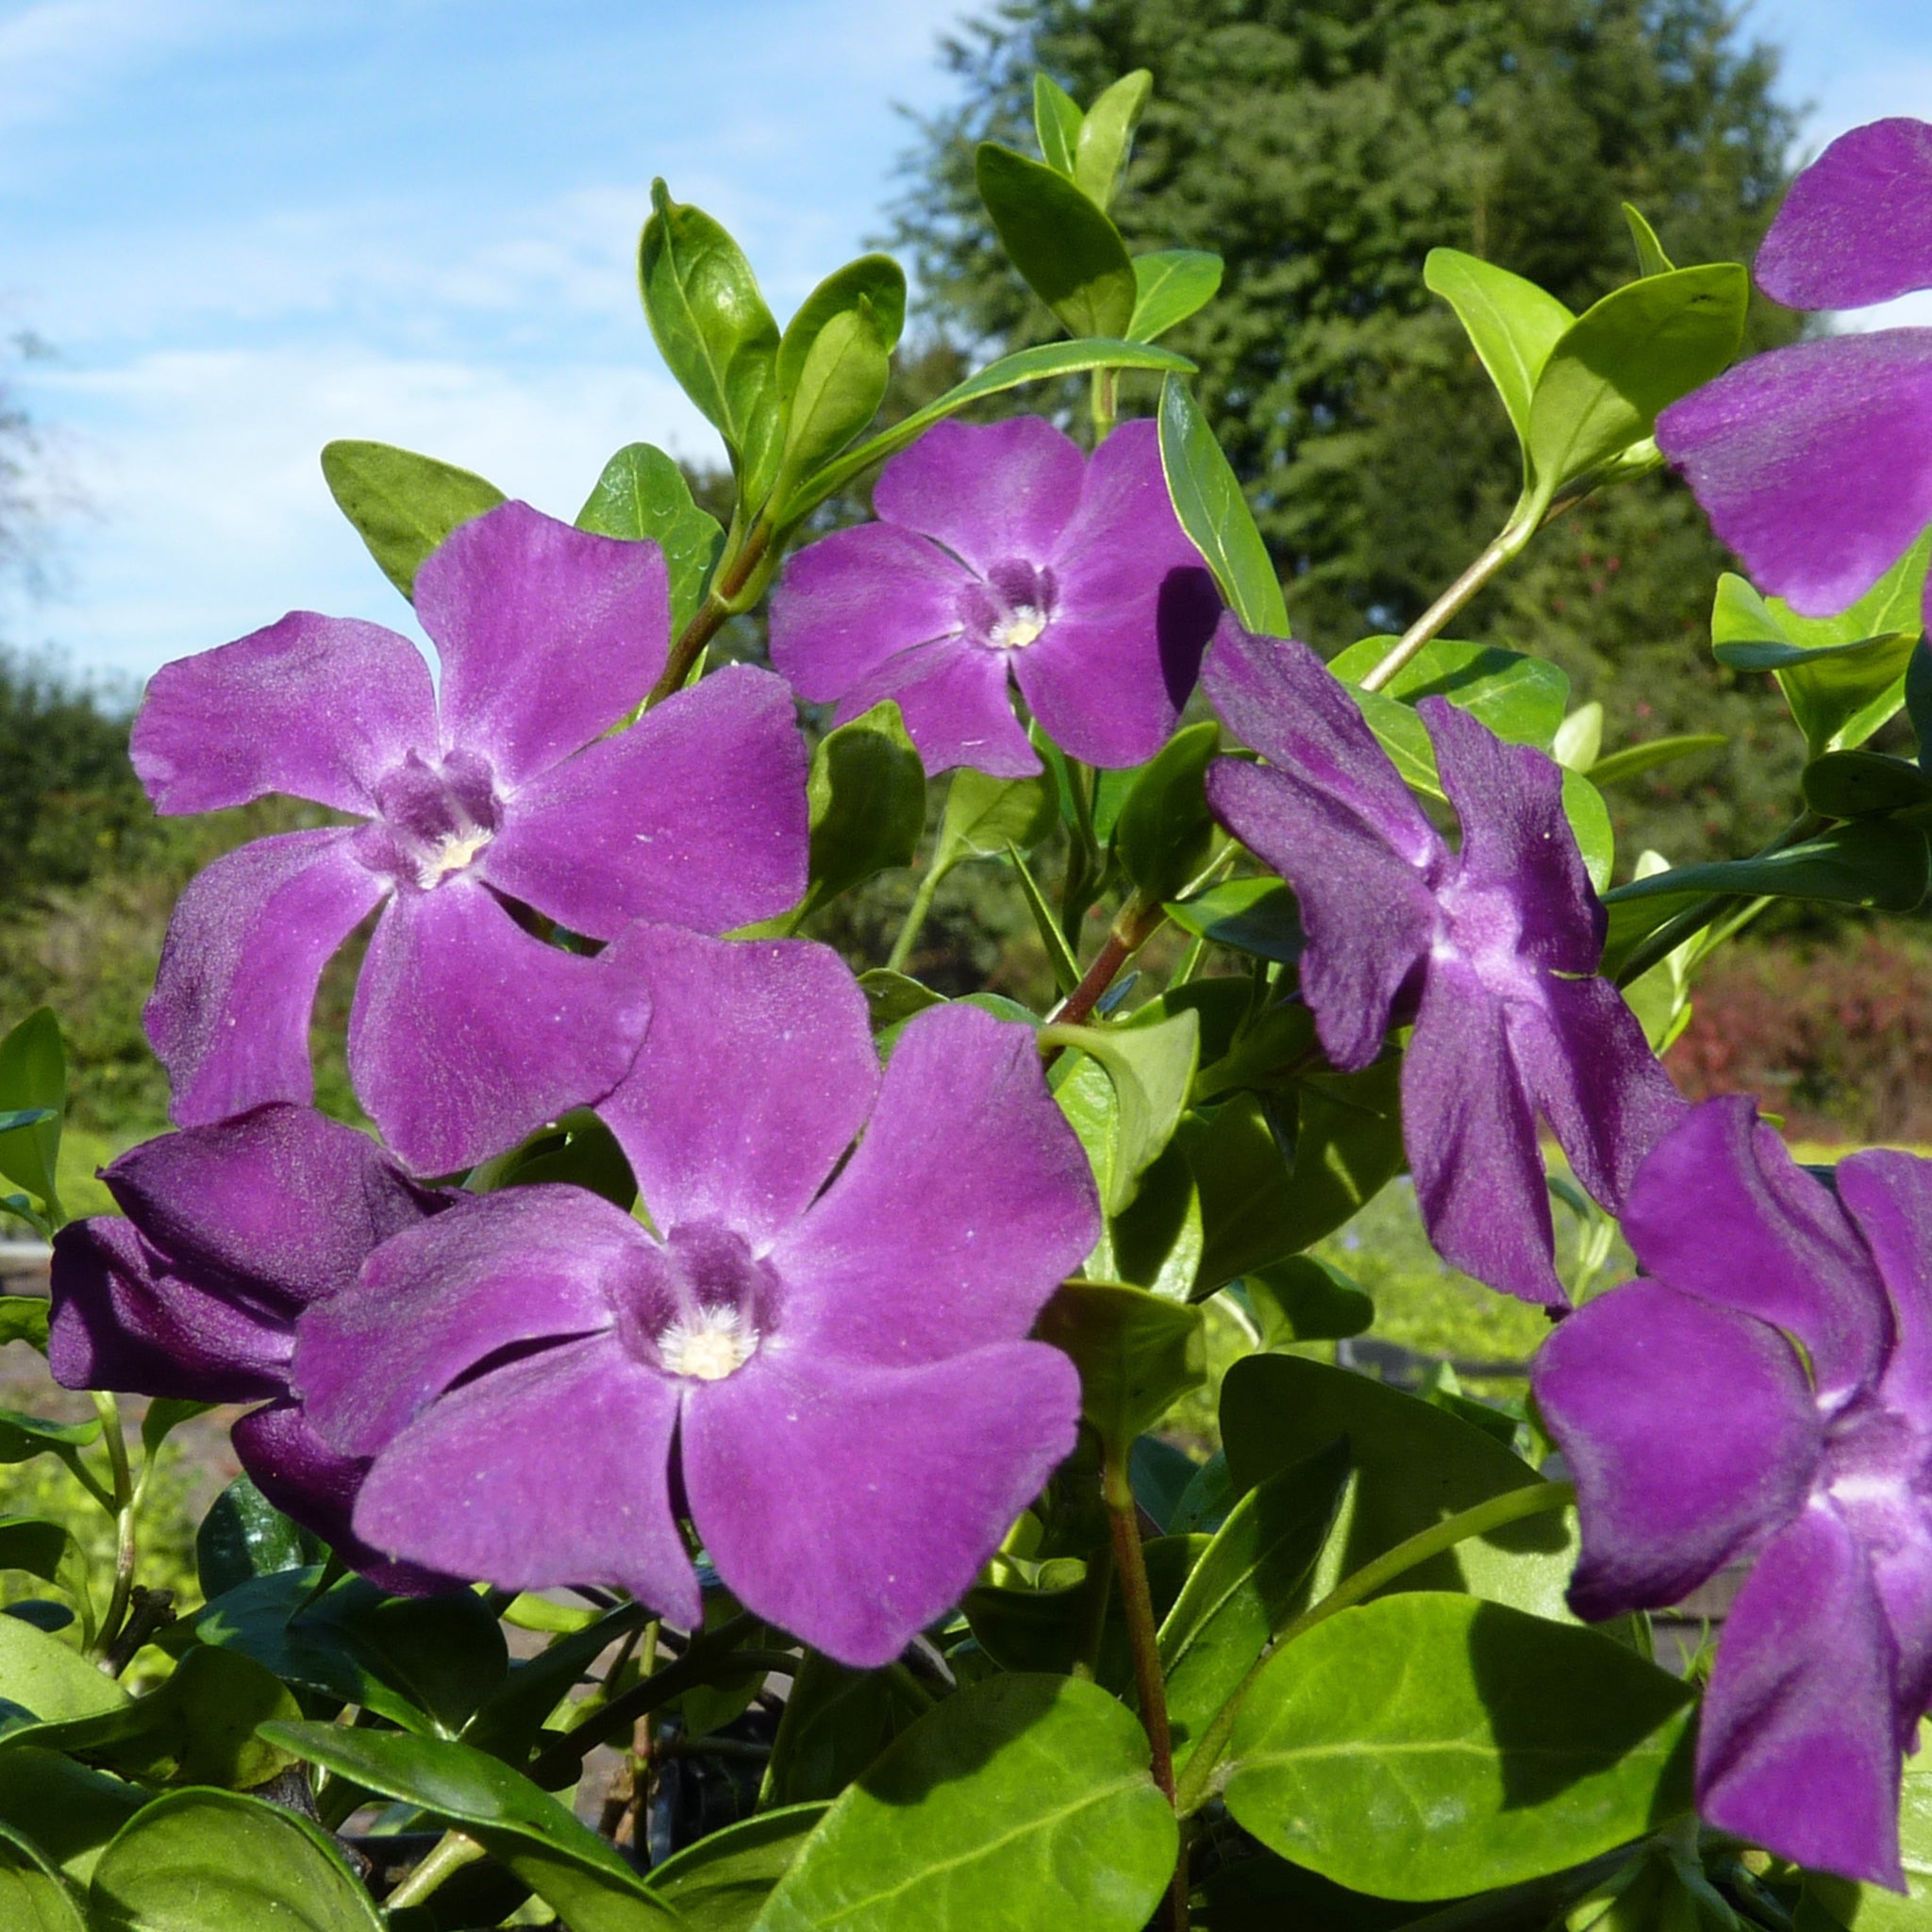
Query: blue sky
[249, 226]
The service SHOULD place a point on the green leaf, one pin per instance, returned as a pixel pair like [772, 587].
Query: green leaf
[1625, 360]
[24, 1318]
[32, 1898]
[576, 1150]
[1212, 510]
[716, 335]
[1159, 1474]
[1634, 761]
[33, 1079]
[506, 1724]
[1302, 1299]
[1151, 1069]
[1156, 1241]
[867, 798]
[564, 1862]
[1876, 862]
[1919, 700]
[1590, 825]
[66, 1810]
[1415, 1463]
[1870, 1907]
[165, 1414]
[46, 1681]
[892, 998]
[1107, 136]
[720, 1884]
[1428, 1746]
[210, 1861]
[23, 1437]
[1164, 830]
[1170, 285]
[1137, 1354]
[1579, 738]
[1249, 1585]
[1256, 916]
[875, 279]
[48, 1550]
[1511, 324]
[1651, 258]
[1522, 699]
[1056, 119]
[243, 1535]
[837, 1720]
[1864, 784]
[1023, 1802]
[401, 504]
[643, 496]
[840, 380]
[1063, 243]
[1060, 955]
[984, 816]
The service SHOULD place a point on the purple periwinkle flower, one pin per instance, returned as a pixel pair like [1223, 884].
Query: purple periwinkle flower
[1814, 462]
[1491, 950]
[467, 1031]
[230, 1232]
[1766, 1393]
[1001, 551]
[828, 1376]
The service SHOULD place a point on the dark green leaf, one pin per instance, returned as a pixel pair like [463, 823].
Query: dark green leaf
[446, 1654]
[720, 1884]
[243, 1535]
[1511, 324]
[1056, 119]
[1263, 1893]
[837, 1720]
[215, 1861]
[401, 504]
[892, 998]
[66, 1810]
[1155, 1242]
[1212, 510]
[1150, 1068]
[643, 496]
[984, 816]
[1302, 1299]
[1256, 916]
[1064, 246]
[867, 794]
[1431, 1745]
[1164, 829]
[1522, 699]
[32, 1898]
[47, 1550]
[1159, 1474]
[165, 1414]
[1651, 258]
[46, 1681]
[23, 1437]
[1634, 761]
[579, 1151]
[33, 1079]
[24, 1318]
[1205, 1500]
[508, 1722]
[1864, 784]
[1919, 700]
[1169, 286]
[1136, 1352]
[1060, 955]
[1107, 136]
[1023, 1802]
[1876, 862]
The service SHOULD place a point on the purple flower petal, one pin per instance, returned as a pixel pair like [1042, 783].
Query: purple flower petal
[481, 1485]
[1690, 1432]
[548, 634]
[1369, 917]
[1719, 1210]
[228, 1017]
[1471, 1140]
[992, 492]
[1277, 696]
[123, 1320]
[1889, 1197]
[467, 1033]
[756, 1073]
[835, 1500]
[849, 602]
[953, 695]
[314, 707]
[1796, 1747]
[968, 1165]
[696, 815]
[1814, 462]
[1856, 226]
[530, 1264]
[1125, 541]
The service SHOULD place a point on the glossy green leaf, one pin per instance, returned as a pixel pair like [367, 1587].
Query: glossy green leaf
[837, 1720]
[564, 1861]
[877, 280]
[48, 1550]
[575, 1151]
[1871, 1908]
[1256, 916]
[644, 497]
[24, 1318]
[1150, 1068]
[23, 1437]
[838, 386]
[46, 1681]
[1023, 1802]
[1171, 285]
[66, 1811]
[1212, 510]
[985, 815]
[867, 799]
[1522, 699]
[1651, 258]
[721, 1883]
[1876, 862]
[892, 998]
[402, 505]
[1302, 1299]
[1162, 836]
[1065, 248]
[1511, 324]
[1864, 784]
[1107, 136]
[1056, 119]
[1159, 1474]
[1626, 358]
[1430, 1745]
[1250, 1584]
[165, 1414]
[712, 326]
[1204, 1503]
[1590, 825]
[1137, 1354]
[1636, 760]
[1415, 1463]
[32, 1897]
[1155, 1242]
[216, 1861]
[33, 1078]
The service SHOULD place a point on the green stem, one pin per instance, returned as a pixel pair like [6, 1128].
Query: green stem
[724, 600]
[1499, 552]
[915, 919]
[125, 1546]
[1084, 869]
[1133, 927]
[1512, 1506]
[1106, 404]
[449, 1854]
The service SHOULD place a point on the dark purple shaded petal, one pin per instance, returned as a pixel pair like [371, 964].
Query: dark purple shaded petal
[992, 492]
[549, 1471]
[283, 1199]
[530, 1264]
[1590, 1073]
[961, 1210]
[1471, 1140]
[850, 601]
[1369, 918]
[1125, 538]
[311, 1485]
[696, 815]
[1796, 1747]
[1719, 1210]
[315, 706]
[755, 1074]
[1889, 1197]
[1855, 226]
[548, 635]
[123, 1320]
[228, 1017]
[467, 1033]
[1814, 462]
[953, 698]
[1691, 1433]
[836, 1500]
[1902, 1569]
[1276, 695]
[1517, 847]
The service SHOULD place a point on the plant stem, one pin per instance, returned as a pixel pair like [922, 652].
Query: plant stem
[1084, 869]
[1512, 1506]
[1135, 925]
[915, 919]
[451, 1853]
[721, 602]
[1499, 552]
[1106, 402]
[126, 1547]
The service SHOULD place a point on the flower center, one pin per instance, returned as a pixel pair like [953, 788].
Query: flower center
[1011, 606]
[1017, 629]
[439, 817]
[707, 1345]
[1484, 927]
[700, 1307]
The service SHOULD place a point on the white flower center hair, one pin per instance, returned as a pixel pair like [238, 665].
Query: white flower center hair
[1018, 628]
[455, 851]
[707, 1345]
